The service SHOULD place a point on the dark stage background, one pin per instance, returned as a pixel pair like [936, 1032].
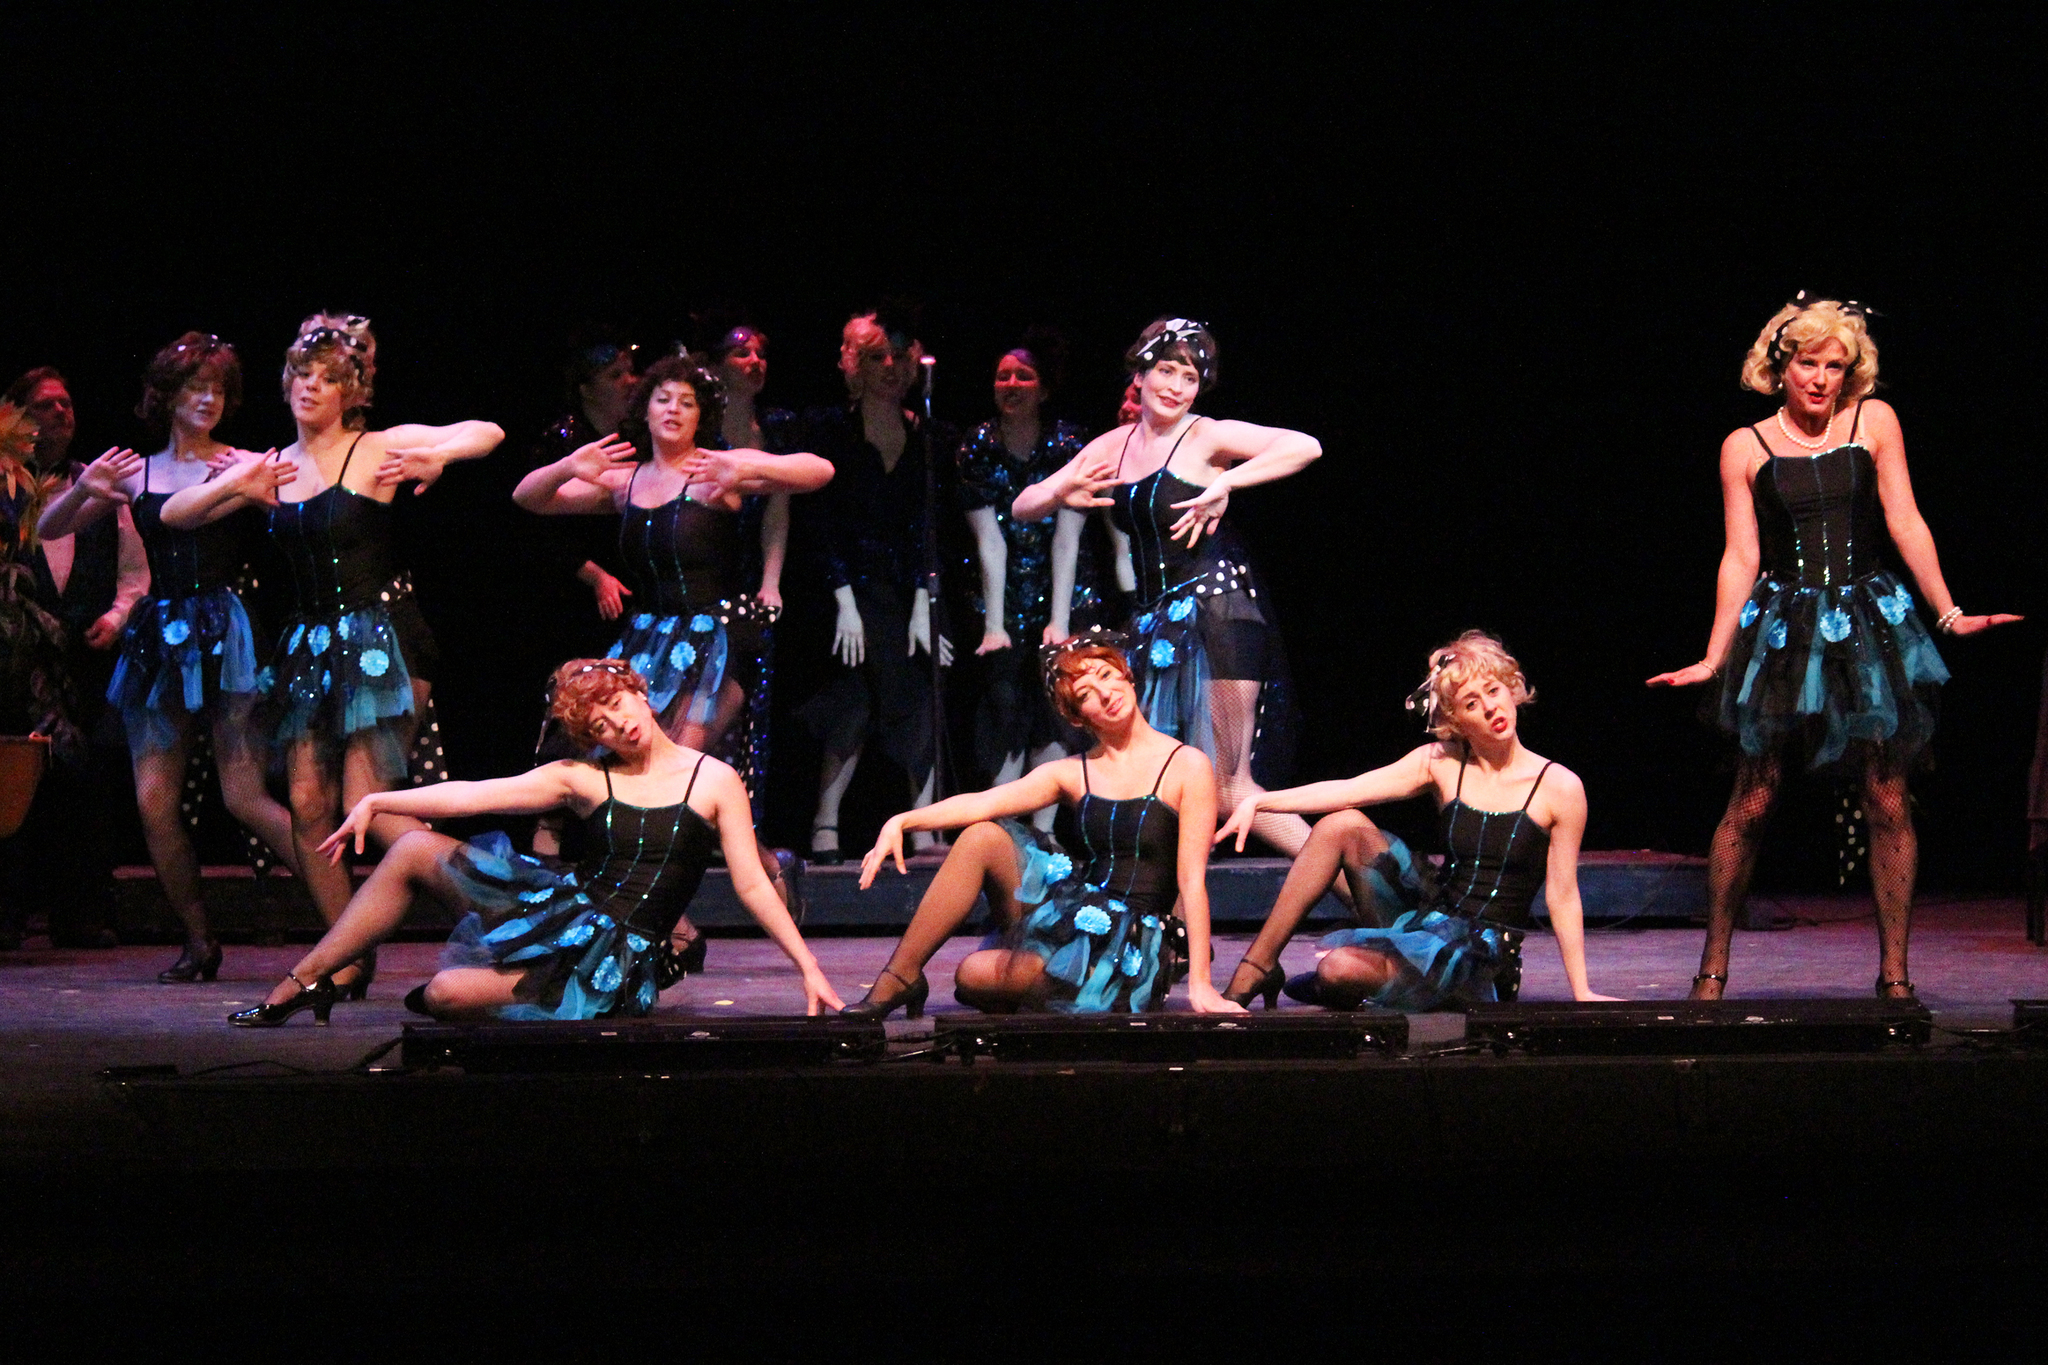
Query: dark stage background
[1505, 273]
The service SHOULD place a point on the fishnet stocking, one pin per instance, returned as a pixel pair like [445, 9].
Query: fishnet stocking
[1894, 861]
[1233, 720]
[1732, 860]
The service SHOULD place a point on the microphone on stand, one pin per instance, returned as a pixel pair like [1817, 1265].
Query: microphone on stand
[931, 577]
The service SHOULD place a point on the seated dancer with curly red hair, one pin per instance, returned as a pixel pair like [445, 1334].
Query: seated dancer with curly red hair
[1082, 936]
[1512, 821]
[540, 944]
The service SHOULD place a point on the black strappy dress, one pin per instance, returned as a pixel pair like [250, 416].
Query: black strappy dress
[356, 638]
[190, 640]
[1828, 648]
[1456, 935]
[1199, 617]
[1104, 927]
[587, 938]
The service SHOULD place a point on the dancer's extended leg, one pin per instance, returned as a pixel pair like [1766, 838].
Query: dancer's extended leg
[1730, 863]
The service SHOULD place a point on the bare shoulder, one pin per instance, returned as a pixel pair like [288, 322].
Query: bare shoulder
[1742, 447]
[1106, 442]
[1561, 792]
[1879, 420]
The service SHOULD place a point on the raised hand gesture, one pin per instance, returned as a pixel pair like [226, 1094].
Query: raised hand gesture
[257, 476]
[719, 468]
[1085, 485]
[104, 477]
[1201, 513]
[592, 462]
[418, 465]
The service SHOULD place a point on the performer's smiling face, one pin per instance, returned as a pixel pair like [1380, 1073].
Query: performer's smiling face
[316, 397]
[1103, 697]
[672, 413]
[1018, 392]
[1169, 388]
[885, 371]
[1814, 377]
[1484, 709]
[200, 404]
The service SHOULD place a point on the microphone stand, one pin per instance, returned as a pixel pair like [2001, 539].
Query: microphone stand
[931, 578]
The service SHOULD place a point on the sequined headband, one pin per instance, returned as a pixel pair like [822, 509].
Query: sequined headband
[1050, 655]
[612, 666]
[1779, 356]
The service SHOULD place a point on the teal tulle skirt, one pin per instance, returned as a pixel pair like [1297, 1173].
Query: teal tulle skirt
[1444, 961]
[1101, 954]
[178, 655]
[1818, 668]
[579, 962]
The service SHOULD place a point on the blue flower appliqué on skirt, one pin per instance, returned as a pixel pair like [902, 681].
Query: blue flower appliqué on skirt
[341, 673]
[683, 655]
[1829, 665]
[1100, 954]
[1445, 961]
[181, 654]
[579, 962]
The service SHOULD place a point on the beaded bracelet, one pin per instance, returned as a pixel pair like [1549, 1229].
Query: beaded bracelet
[1946, 622]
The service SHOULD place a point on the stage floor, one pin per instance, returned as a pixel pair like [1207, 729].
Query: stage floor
[66, 1015]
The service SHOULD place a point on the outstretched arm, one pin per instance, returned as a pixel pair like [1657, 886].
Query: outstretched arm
[1035, 790]
[1078, 484]
[545, 788]
[1405, 777]
[251, 479]
[1255, 454]
[583, 482]
[756, 471]
[419, 453]
[1566, 796]
[1909, 529]
[102, 487]
[734, 817]
[1739, 559]
[1196, 805]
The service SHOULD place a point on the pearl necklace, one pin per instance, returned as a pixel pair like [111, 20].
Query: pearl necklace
[1796, 439]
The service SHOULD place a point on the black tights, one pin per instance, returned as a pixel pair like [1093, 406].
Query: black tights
[1894, 859]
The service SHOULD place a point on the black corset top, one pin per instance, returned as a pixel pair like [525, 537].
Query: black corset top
[1133, 846]
[645, 862]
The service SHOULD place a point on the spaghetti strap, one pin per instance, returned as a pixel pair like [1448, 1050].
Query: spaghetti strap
[1084, 776]
[606, 768]
[1857, 420]
[338, 478]
[1768, 452]
[634, 474]
[1464, 757]
[1547, 766]
[1162, 770]
[700, 768]
[1176, 445]
[1127, 449]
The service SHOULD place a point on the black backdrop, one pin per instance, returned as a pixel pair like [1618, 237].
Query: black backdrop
[1505, 273]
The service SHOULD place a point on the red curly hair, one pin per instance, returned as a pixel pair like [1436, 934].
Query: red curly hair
[1067, 668]
[581, 686]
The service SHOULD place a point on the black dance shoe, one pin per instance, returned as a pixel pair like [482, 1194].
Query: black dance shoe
[318, 997]
[825, 857]
[1886, 985]
[877, 1007]
[1268, 985]
[366, 972]
[198, 962]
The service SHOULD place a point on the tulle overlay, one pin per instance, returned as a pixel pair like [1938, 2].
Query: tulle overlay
[1100, 954]
[580, 962]
[1822, 666]
[1171, 654]
[687, 655]
[177, 656]
[1446, 961]
[341, 673]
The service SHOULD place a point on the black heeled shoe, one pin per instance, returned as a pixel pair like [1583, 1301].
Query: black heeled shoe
[1698, 977]
[1886, 984]
[416, 1001]
[912, 998]
[826, 857]
[1268, 985]
[198, 962]
[366, 972]
[1308, 988]
[318, 997]
[691, 959]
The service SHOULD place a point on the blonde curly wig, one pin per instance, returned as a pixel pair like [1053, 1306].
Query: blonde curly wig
[1808, 322]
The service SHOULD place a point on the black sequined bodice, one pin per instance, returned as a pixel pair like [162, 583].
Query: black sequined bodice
[1132, 846]
[339, 547]
[1144, 511]
[1497, 860]
[1818, 520]
[679, 554]
[645, 862]
[186, 563]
